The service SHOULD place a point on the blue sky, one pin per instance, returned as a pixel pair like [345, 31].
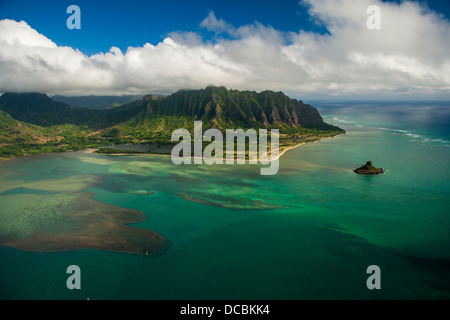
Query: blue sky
[108, 23]
[307, 48]
[134, 23]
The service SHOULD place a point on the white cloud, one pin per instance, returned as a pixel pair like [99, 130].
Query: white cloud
[408, 57]
[211, 23]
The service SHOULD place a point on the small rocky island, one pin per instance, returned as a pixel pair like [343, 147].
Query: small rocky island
[368, 169]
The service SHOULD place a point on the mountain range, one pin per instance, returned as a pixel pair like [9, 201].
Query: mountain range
[97, 102]
[34, 122]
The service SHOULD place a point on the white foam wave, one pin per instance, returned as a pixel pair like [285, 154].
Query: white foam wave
[415, 136]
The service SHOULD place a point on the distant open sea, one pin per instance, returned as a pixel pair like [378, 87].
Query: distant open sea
[309, 232]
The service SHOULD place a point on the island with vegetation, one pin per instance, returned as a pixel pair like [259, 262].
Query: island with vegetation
[33, 123]
[368, 169]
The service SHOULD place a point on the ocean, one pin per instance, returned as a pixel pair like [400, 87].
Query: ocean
[308, 232]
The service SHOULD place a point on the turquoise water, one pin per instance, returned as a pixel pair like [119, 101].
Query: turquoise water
[309, 232]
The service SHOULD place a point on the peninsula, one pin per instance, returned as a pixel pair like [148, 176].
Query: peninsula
[33, 123]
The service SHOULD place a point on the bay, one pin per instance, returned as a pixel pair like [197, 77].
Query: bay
[309, 232]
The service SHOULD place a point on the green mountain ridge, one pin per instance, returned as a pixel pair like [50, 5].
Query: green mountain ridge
[57, 126]
[226, 108]
[39, 109]
[96, 102]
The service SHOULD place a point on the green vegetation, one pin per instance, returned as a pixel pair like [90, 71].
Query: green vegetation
[97, 102]
[33, 123]
[368, 169]
[19, 138]
[39, 109]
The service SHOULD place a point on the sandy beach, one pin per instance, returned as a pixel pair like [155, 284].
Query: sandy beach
[282, 152]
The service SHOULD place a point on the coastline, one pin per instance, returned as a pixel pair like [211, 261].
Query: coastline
[302, 143]
[94, 150]
[282, 152]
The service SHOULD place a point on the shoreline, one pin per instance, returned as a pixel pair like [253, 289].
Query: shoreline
[302, 143]
[93, 151]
